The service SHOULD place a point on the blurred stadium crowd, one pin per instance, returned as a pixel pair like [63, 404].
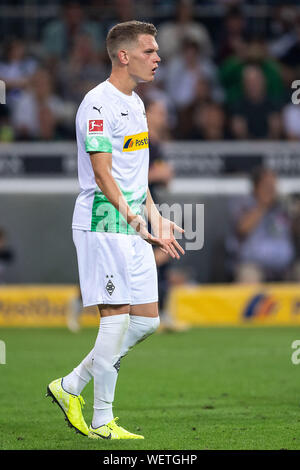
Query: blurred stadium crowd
[226, 76]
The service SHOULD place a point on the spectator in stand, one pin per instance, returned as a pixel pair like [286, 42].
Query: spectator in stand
[182, 76]
[209, 123]
[16, 69]
[260, 246]
[82, 71]
[171, 33]
[254, 52]
[39, 113]
[59, 35]
[255, 116]
[231, 38]
[203, 92]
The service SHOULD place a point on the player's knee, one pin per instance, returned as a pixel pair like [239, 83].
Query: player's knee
[153, 325]
[142, 327]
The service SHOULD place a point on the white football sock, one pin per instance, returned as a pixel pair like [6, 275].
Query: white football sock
[139, 329]
[105, 371]
[80, 376]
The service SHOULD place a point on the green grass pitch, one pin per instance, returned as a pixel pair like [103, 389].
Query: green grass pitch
[207, 388]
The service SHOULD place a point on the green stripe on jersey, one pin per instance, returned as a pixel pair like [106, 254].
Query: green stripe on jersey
[106, 218]
[98, 144]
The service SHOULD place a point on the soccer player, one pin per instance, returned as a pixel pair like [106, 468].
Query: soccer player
[116, 264]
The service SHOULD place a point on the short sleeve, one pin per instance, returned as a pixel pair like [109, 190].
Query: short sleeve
[97, 124]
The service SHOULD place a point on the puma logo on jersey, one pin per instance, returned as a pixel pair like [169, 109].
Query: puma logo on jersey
[98, 109]
[136, 142]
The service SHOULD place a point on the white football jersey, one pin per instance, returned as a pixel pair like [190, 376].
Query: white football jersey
[107, 120]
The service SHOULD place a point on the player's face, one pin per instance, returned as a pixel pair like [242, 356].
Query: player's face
[143, 59]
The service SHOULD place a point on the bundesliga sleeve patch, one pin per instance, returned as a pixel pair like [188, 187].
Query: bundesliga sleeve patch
[95, 126]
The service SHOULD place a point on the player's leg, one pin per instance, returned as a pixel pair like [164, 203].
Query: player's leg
[103, 271]
[103, 274]
[81, 375]
[106, 353]
[113, 327]
[144, 320]
[71, 402]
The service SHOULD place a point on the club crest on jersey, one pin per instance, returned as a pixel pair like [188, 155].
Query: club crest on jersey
[136, 142]
[95, 126]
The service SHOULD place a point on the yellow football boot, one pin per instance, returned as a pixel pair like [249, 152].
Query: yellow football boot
[70, 404]
[112, 431]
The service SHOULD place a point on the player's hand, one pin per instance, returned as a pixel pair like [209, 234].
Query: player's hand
[140, 226]
[166, 241]
[164, 230]
[168, 245]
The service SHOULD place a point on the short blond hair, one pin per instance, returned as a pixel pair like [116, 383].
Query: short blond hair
[126, 32]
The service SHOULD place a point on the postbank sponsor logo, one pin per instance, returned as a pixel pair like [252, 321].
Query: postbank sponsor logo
[136, 142]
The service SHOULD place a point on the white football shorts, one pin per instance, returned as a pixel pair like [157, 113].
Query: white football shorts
[115, 268]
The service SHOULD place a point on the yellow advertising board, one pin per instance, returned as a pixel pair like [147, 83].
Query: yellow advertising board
[266, 304]
[41, 305]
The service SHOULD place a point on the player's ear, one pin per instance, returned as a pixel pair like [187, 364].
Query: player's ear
[123, 57]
